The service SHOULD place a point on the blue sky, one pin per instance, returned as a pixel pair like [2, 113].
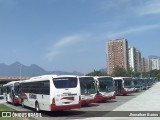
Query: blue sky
[70, 35]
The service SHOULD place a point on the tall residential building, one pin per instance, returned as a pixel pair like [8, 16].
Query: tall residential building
[117, 54]
[143, 64]
[138, 61]
[147, 66]
[132, 58]
[155, 63]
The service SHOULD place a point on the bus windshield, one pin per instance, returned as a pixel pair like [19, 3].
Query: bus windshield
[128, 84]
[65, 82]
[1, 91]
[106, 84]
[16, 89]
[137, 83]
[87, 85]
[144, 81]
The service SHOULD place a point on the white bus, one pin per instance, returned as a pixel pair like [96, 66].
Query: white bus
[138, 84]
[1, 92]
[105, 88]
[11, 92]
[88, 90]
[124, 85]
[51, 92]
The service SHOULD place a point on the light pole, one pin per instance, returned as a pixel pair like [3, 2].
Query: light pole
[131, 69]
[20, 71]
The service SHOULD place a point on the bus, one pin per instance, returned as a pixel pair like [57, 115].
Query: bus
[138, 84]
[11, 92]
[1, 92]
[51, 92]
[88, 90]
[151, 82]
[144, 83]
[124, 85]
[105, 88]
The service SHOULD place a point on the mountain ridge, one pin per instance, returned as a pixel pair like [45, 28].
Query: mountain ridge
[19, 69]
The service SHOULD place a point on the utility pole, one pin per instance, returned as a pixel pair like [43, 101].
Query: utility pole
[20, 71]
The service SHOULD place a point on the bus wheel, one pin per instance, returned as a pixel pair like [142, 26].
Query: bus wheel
[37, 107]
[6, 99]
[22, 103]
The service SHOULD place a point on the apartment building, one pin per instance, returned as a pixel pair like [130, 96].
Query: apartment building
[117, 54]
[155, 63]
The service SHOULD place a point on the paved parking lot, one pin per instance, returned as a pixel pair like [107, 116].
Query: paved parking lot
[2, 101]
[147, 100]
[95, 109]
[141, 107]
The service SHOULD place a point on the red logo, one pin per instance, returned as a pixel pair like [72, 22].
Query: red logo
[68, 98]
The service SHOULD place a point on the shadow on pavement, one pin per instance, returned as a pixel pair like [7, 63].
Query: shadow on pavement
[90, 105]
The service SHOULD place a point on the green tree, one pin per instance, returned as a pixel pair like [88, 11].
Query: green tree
[153, 73]
[97, 73]
[158, 75]
[146, 74]
[119, 71]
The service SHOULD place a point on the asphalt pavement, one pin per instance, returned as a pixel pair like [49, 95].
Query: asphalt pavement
[138, 106]
[2, 101]
[145, 106]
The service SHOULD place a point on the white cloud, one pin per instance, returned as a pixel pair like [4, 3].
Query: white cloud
[62, 45]
[133, 30]
[138, 7]
[149, 7]
[110, 4]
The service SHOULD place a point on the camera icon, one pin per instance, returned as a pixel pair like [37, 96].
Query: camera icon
[6, 114]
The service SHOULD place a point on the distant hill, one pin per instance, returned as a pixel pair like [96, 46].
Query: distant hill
[18, 68]
[153, 56]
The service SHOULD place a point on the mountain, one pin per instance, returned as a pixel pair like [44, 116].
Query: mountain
[153, 56]
[17, 69]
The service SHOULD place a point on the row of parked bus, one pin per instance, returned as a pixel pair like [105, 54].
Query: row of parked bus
[62, 92]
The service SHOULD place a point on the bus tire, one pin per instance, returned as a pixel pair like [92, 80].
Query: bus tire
[37, 107]
[6, 100]
[22, 103]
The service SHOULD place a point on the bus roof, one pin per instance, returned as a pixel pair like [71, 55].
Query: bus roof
[96, 77]
[11, 83]
[85, 76]
[45, 77]
[122, 78]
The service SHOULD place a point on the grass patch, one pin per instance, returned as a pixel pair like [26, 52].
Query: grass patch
[6, 108]
[13, 118]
